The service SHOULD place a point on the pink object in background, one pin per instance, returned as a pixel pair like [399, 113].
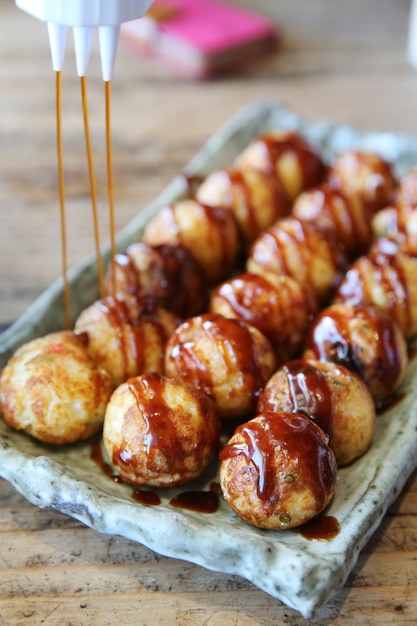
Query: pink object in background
[200, 38]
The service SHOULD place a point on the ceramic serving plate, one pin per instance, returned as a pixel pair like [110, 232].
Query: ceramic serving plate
[302, 573]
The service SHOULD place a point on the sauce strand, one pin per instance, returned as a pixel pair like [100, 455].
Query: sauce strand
[92, 184]
[64, 254]
[110, 186]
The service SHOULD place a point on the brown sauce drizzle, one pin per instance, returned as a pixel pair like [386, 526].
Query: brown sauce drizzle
[124, 266]
[388, 273]
[295, 241]
[310, 393]
[322, 528]
[329, 339]
[220, 219]
[160, 434]
[340, 211]
[293, 434]
[311, 167]
[236, 348]
[129, 337]
[236, 179]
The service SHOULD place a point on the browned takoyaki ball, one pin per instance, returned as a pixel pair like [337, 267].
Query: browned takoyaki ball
[337, 399]
[126, 340]
[344, 216]
[364, 339]
[278, 306]
[209, 234]
[301, 250]
[386, 278]
[256, 199]
[406, 192]
[363, 174]
[278, 471]
[399, 224]
[286, 155]
[228, 359]
[53, 390]
[159, 432]
[164, 272]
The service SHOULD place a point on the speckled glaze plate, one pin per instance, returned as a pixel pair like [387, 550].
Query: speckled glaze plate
[301, 573]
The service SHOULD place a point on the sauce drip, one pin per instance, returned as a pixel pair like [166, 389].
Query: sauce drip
[329, 339]
[234, 347]
[292, 436]
[96, 455]
[61, 183]
[129, 336]
[162, 435]
[310, 393]
[322, 528]
[289, 247]
[92, 183]
[198, 501]
[310, 166]
[387, 271]
[146, 497]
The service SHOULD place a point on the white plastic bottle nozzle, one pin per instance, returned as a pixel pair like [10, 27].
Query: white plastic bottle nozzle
[83, 16]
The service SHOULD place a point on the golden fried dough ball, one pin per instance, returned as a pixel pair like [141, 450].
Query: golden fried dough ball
[406, 192]
[364, 339]
[286, 155]
[343, 215]
[363, 174]
[126, 341]
[159, 432]
[209, 234]
[399, 224]
[52, 390]
[256, 199]
[301, 250]
[277, 471]
[337, 399]
[228, 359]
[278, 306]
[386, 278]
[164, 272]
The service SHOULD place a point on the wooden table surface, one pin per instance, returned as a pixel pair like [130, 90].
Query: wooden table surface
[341, 60]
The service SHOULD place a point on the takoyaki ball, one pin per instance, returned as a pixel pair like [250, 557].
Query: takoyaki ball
[278, 471]
[301, 250]
[344, 216]
[363, 174]
[159, 432]
[364, 339]
[226, 358]
[126, 341]
[164, 272]
[278, 306]
[387, 279]
[52, 390]
[337, 399]
[399, 224]
[256, 199]
[286, 155]
[209, 234]
[406, 192]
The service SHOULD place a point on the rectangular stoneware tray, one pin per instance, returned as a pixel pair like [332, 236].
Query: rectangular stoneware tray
[301, 573]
